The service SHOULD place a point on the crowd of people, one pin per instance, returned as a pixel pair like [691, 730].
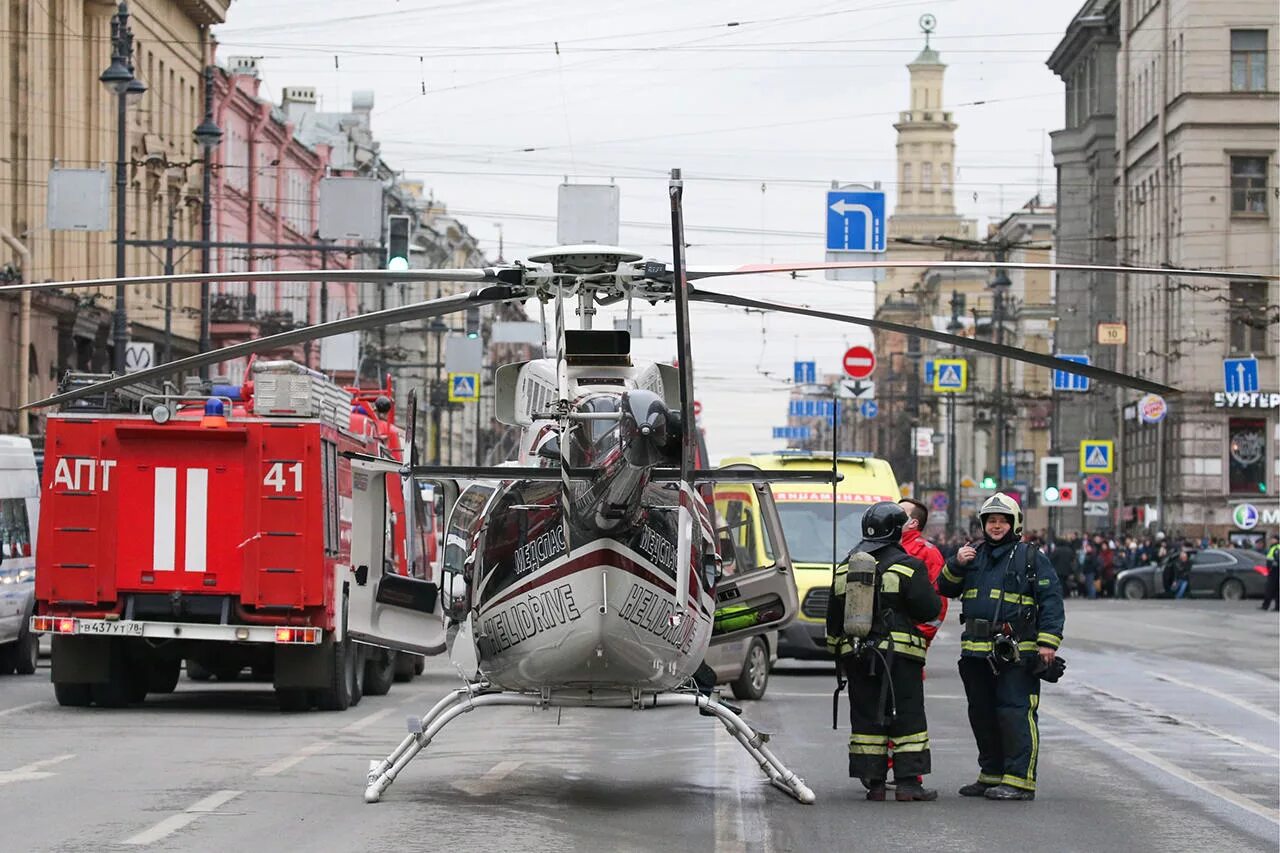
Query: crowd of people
[1087, 565]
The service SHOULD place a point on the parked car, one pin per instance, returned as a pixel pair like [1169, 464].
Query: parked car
[744, 664]
[1230, 573]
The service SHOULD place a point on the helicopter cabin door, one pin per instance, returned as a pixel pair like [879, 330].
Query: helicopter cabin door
[393, 589]
[756, 592]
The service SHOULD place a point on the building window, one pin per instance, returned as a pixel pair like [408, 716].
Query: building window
[1249, 185]
[1247, 451]
[1248, 60]
[926, 175]
[1249, 316]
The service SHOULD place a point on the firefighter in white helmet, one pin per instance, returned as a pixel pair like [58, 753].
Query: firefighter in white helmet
[1011, 609]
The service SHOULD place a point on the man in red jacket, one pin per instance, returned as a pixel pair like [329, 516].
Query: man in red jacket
[925, 551]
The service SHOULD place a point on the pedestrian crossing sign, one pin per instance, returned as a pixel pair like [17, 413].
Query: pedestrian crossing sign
[464, 387]
[1097, 457]
[950, 375]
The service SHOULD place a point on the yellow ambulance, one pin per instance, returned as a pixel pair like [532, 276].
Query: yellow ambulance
[805, 510]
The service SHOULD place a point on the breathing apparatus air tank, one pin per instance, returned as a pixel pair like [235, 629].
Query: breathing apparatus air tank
[860, 595]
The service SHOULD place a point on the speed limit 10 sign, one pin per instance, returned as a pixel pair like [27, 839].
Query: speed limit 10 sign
[1112, 334]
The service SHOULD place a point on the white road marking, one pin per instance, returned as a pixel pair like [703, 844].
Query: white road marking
[172, 824]
[1156, 627]
[366, 721]
[16, 708]
[827, 694]
[1219, 791]
[490, 782]
[1226, 697]
[285, 763]
[729, 826]
[34, 770]
[1184, 721]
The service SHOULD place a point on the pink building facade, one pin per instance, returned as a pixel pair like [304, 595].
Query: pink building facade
[266, 190]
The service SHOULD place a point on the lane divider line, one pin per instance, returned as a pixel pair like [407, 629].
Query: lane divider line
[173, 823]
[1221, 792]
[366, 721]
[19, 708]
[1226, 697]
[278, 767]
[490, 782]
[1183, 721]
[34, 770]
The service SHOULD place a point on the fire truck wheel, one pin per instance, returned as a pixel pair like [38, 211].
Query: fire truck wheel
[197, 671]
[357, 652]
[8, 658]
[72, 695]
[293, 699]
[162, 675]
[405, 666]
[338, 696]
[116, 693]
[379, 672]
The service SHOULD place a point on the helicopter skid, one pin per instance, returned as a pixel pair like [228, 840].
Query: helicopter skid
[383, 773]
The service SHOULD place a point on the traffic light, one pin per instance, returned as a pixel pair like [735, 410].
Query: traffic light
[473, 322]
[1054, 488]
[988, 482]
[398, 242]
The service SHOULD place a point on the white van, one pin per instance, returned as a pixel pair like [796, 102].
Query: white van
[19, 520]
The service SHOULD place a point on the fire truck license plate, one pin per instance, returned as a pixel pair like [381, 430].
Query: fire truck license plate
[127, 629]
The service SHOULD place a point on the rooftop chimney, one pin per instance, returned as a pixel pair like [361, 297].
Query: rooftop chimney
[298, 101]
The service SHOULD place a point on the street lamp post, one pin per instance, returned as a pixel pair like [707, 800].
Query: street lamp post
[119, 80]
[953, 462]
[207, 136]
[1000, 285]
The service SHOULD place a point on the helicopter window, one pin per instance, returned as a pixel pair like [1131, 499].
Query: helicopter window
[457, 543]
[594, 438]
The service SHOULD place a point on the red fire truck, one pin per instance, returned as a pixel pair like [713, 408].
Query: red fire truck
[215, 527]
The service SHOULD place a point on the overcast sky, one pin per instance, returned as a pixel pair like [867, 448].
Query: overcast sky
[761, 116]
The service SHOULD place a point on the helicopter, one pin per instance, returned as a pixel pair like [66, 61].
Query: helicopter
[589, 572]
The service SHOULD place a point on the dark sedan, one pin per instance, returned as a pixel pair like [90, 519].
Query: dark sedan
[1230, 573]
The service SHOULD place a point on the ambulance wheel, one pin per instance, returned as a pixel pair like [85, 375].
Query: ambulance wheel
[72, 694]
[753, 680]
[162, 675]
[419, 665]
[197, 671]
[27, 652]
[340, 694]
[293, 699]
[379, 672]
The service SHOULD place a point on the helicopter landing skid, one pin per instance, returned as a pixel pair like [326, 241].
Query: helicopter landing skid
[423, 731]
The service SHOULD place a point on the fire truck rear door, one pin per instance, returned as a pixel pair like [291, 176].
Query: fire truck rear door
[385, 608]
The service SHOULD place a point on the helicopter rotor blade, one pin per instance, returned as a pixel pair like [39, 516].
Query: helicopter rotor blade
[755, 269]
[684, 356]
[485, 275]
[417, 311]
[990, 348]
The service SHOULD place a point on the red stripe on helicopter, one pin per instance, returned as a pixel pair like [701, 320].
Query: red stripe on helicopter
[606, 556]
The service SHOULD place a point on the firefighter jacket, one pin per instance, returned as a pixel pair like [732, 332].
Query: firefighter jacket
[1008, 583]
[904, 598]
[926, 552]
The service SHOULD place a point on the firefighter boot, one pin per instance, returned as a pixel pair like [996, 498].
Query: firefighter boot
[1008, 792]
[975, 789]
[875, 789]
[914, 792]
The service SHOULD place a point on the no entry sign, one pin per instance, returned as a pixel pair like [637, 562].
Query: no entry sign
[859, 362]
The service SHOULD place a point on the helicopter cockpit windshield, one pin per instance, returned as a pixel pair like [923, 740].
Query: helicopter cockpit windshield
[595, 438]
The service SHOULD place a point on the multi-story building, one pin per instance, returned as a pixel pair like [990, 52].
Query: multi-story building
[1197, 132]
[55, 111]
[266, 191]
[1084, 152]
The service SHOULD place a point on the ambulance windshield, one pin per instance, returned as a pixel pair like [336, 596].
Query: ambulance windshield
[807, 525]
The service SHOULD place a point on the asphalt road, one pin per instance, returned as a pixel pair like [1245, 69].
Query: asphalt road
[1165, 736]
